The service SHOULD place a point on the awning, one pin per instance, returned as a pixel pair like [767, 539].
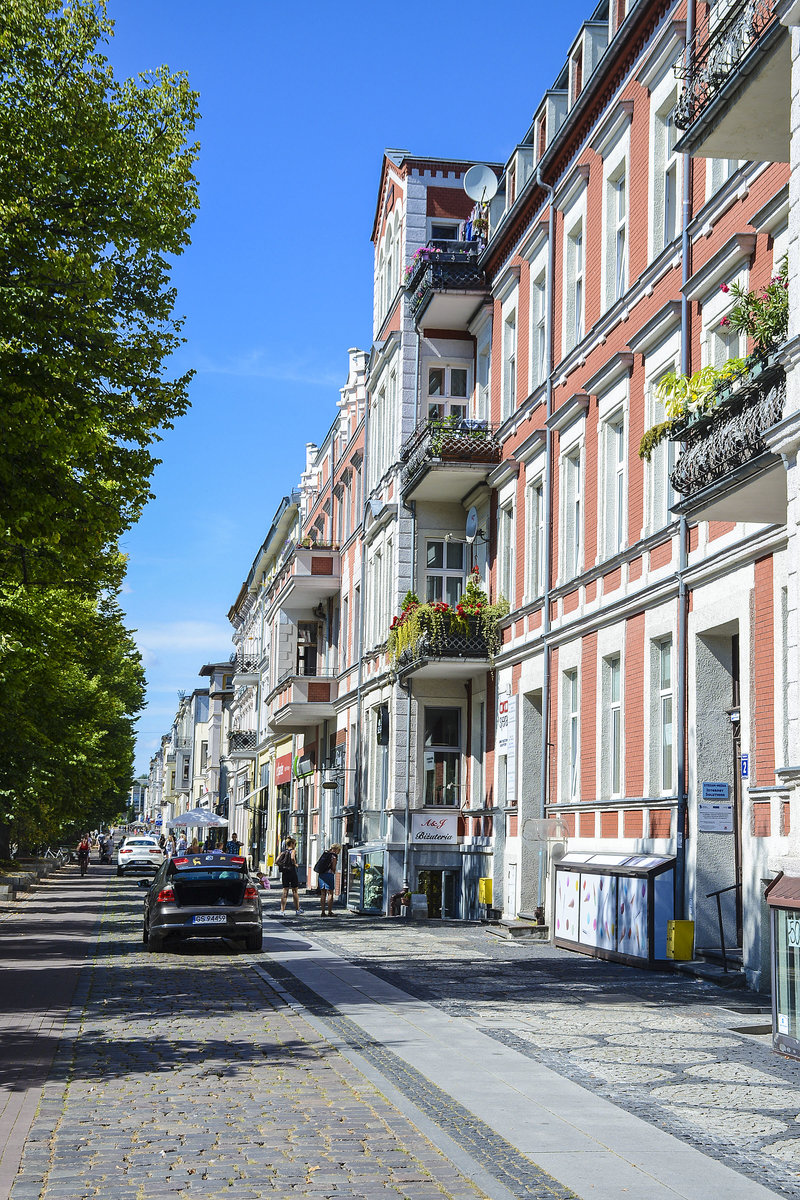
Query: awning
[783, 891]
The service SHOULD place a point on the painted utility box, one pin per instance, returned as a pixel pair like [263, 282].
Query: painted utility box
[485, 891]
[615, 906]
[680, 940]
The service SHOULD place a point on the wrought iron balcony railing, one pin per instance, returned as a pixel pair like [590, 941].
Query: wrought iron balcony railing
[442, 266]
[716, 53]
[470, 644]
[718, 442]
[241, 740]
[246, 661]
[452, 440]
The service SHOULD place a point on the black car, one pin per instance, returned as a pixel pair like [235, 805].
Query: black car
[202, 896]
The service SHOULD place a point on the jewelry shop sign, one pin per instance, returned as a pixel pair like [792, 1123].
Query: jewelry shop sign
[434, 830]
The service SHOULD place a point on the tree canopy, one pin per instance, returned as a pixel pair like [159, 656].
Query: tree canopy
[97, 197]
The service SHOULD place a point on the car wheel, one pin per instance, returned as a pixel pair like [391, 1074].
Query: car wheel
[254, 941]
[154, 944]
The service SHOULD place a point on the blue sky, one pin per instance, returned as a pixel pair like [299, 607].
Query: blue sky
[298, 103]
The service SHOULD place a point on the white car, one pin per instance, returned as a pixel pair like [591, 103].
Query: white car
[139, 854]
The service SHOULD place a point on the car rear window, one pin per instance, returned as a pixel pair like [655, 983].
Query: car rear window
[140, 842]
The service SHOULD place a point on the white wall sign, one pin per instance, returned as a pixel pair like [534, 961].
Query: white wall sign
[506, 742]
[714, 818]
[434, 830]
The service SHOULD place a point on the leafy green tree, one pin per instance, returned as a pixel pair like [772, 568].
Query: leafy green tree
[97, 196]
[71, 682]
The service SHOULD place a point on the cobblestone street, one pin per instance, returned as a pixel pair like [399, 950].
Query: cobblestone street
[207, 1072]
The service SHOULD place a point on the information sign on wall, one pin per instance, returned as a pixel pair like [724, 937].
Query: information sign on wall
[506, 742]
[715, 791]
[714, 818]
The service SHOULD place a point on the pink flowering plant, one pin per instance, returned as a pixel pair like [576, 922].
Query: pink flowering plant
[424, 254]
[433, 623]
[762, 315]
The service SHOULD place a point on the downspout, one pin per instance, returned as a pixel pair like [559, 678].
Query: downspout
[683, 532]
[407, 811]
[548, 521]
[361, 608]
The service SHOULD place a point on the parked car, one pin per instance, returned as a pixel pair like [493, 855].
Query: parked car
[139, 854]
[202, 896]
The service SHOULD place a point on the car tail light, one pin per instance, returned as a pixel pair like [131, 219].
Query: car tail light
[250, 892]
[126, 852]
[165, 896]
[154, 850]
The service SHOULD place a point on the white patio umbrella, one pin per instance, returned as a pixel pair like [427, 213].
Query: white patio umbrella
[195, 817]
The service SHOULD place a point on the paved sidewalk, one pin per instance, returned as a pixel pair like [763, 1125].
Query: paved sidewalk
[588, 1144]
[45, 937]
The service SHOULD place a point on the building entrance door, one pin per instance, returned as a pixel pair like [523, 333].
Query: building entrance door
[442, 890]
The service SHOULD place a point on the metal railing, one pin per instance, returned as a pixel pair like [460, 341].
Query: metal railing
[716, 52]
[449, 440]
[732, 434]
[242, 739]
[733, 887]
[442, 266]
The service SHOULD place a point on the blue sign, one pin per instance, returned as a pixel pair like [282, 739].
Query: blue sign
[745, 766]
[715, 791]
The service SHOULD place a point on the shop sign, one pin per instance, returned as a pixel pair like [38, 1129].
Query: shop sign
[434, 830]
[506, 742]
[715, 791]
[283, 769]
[303, 767]
[715, 818]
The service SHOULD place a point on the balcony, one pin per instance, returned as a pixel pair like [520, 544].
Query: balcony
[242, 743]
[455, 655]
[445, 284]
[245, 664]
[300, 701]
[311, 575]
[725, 470]
[183, 743]
[444, 460]
[735, 103]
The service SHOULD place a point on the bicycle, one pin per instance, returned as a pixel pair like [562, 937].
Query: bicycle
[59, 855]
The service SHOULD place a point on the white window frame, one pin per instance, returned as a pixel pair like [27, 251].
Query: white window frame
[665, 167]
[444, 574]
[616, 776]
[616, 177]
[505, 550]
[572, 730]
[451, 752]
[665, 717]
[614, 462]
[535, 539]
[538, 316]
[572, 512]
[447, 403]
[509, 380]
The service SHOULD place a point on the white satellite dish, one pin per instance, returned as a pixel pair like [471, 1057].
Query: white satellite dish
[472, 525]
[480, 183]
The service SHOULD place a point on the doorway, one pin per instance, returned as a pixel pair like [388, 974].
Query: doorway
[441, 887]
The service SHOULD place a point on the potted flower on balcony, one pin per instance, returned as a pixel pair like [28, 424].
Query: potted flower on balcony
[430, 626]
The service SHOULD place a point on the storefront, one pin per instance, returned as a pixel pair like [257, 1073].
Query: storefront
[366, 880]
[783, 897]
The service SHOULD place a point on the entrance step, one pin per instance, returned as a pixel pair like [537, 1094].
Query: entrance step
[701, 968]
[512, 927]
[733, 954]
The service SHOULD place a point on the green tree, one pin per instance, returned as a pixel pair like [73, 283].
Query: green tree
[71, 682]
[96, 197]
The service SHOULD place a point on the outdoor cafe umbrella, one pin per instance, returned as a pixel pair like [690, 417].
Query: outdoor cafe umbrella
[196, 817]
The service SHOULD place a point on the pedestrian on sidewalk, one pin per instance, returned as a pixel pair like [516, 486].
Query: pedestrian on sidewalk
[195, 847]
[170, 846]
[326, 873]
[287, 861]
[181, 846]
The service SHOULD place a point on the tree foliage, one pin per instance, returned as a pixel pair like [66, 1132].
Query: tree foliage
[97, 197]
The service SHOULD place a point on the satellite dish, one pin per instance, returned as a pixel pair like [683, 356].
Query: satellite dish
[480, 183]
[472, 525]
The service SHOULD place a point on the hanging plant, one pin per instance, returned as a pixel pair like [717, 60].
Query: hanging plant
[686, 395]
[429, 626]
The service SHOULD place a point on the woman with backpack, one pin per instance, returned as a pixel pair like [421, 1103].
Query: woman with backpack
[326, 872]
[287, 862]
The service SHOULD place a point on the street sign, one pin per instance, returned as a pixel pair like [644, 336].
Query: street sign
[745, 766]
[715, 791]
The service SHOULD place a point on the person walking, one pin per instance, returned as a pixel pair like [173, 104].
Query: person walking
[181, 846]
[287, 861]
[171, 846]
[195, 847]
[326, 874]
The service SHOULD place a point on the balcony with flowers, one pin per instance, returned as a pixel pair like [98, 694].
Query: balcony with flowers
[446, 457]
[735, 101]
[446, 641]
[445, 283]
[722, 415]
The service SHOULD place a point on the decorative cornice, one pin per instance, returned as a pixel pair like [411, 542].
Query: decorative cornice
[618, 119]
[666, 321]
[570, 411]
[736, 251]
[621, 364]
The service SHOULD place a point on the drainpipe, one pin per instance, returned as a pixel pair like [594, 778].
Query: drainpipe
[357, 777]
[407, 813]
[548, 520]
[683, 533]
